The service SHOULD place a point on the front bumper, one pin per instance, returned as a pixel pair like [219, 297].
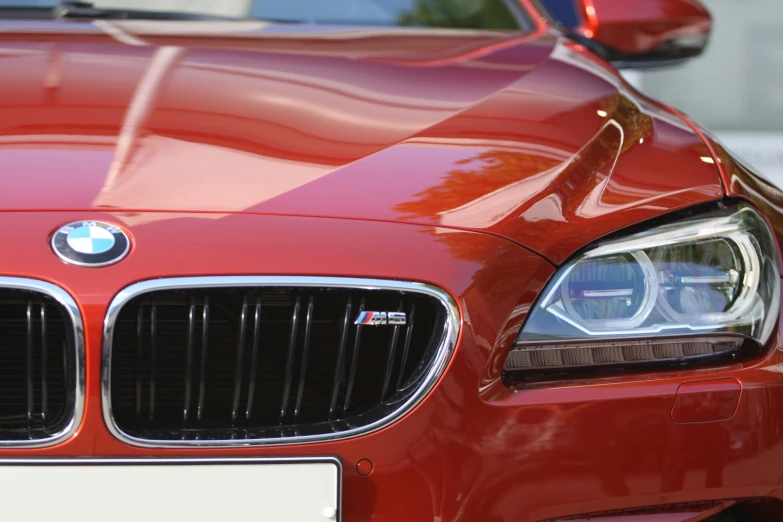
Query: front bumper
[474, 449]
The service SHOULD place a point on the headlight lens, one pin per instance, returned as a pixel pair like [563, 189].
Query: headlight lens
[711, 276]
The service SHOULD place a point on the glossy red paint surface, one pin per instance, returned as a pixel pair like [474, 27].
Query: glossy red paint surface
[705, 401]
[520, 136]
[694, 513]
[472, 447]
[642, 26]
[385, 154]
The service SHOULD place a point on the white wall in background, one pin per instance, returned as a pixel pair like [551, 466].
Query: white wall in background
[763, 151]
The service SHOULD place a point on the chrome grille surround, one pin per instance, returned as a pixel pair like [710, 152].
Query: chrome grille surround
[75, 401]
[392, 412]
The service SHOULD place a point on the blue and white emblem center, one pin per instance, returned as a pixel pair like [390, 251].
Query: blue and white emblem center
[90, 240]
[90, 243]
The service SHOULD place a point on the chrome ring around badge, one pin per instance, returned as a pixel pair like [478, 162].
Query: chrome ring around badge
[90, 243]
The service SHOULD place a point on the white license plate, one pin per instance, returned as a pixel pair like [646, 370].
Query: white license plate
[138, 490]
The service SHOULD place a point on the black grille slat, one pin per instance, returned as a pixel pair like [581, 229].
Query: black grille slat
[289, 366]
[338, 371]
[303, 367]
[30, 384]
[354, 362]
[238, 366]
[269, 362]
[203, 371]
[406, 346]
[153, 357]
[390, 357]
[44, 361]
[37, 380]
[139, 357]
[189, 361]
[251, 387]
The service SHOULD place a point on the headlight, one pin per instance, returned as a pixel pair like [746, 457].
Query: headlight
[686, 291]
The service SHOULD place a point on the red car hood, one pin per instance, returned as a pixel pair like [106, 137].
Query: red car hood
[525, 137]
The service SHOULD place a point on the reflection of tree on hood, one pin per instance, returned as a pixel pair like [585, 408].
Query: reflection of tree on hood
[467, 14]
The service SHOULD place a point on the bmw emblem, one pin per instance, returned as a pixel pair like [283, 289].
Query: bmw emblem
[90, 243]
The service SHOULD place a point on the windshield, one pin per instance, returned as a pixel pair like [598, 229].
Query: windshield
[468, 14]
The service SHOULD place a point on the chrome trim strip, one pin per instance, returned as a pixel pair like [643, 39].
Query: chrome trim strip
[438, 365]
[67, 302]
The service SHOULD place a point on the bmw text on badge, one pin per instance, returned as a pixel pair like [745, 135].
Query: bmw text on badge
[90, 243]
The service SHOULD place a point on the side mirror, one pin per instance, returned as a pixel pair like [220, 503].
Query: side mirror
[634, 33]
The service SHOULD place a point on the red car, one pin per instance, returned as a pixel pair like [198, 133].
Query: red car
[420, 260]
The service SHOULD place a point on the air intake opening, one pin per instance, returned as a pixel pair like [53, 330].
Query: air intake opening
[38, 376]
[272, 363]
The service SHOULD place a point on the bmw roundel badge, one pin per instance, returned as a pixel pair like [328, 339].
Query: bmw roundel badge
[90, 243]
